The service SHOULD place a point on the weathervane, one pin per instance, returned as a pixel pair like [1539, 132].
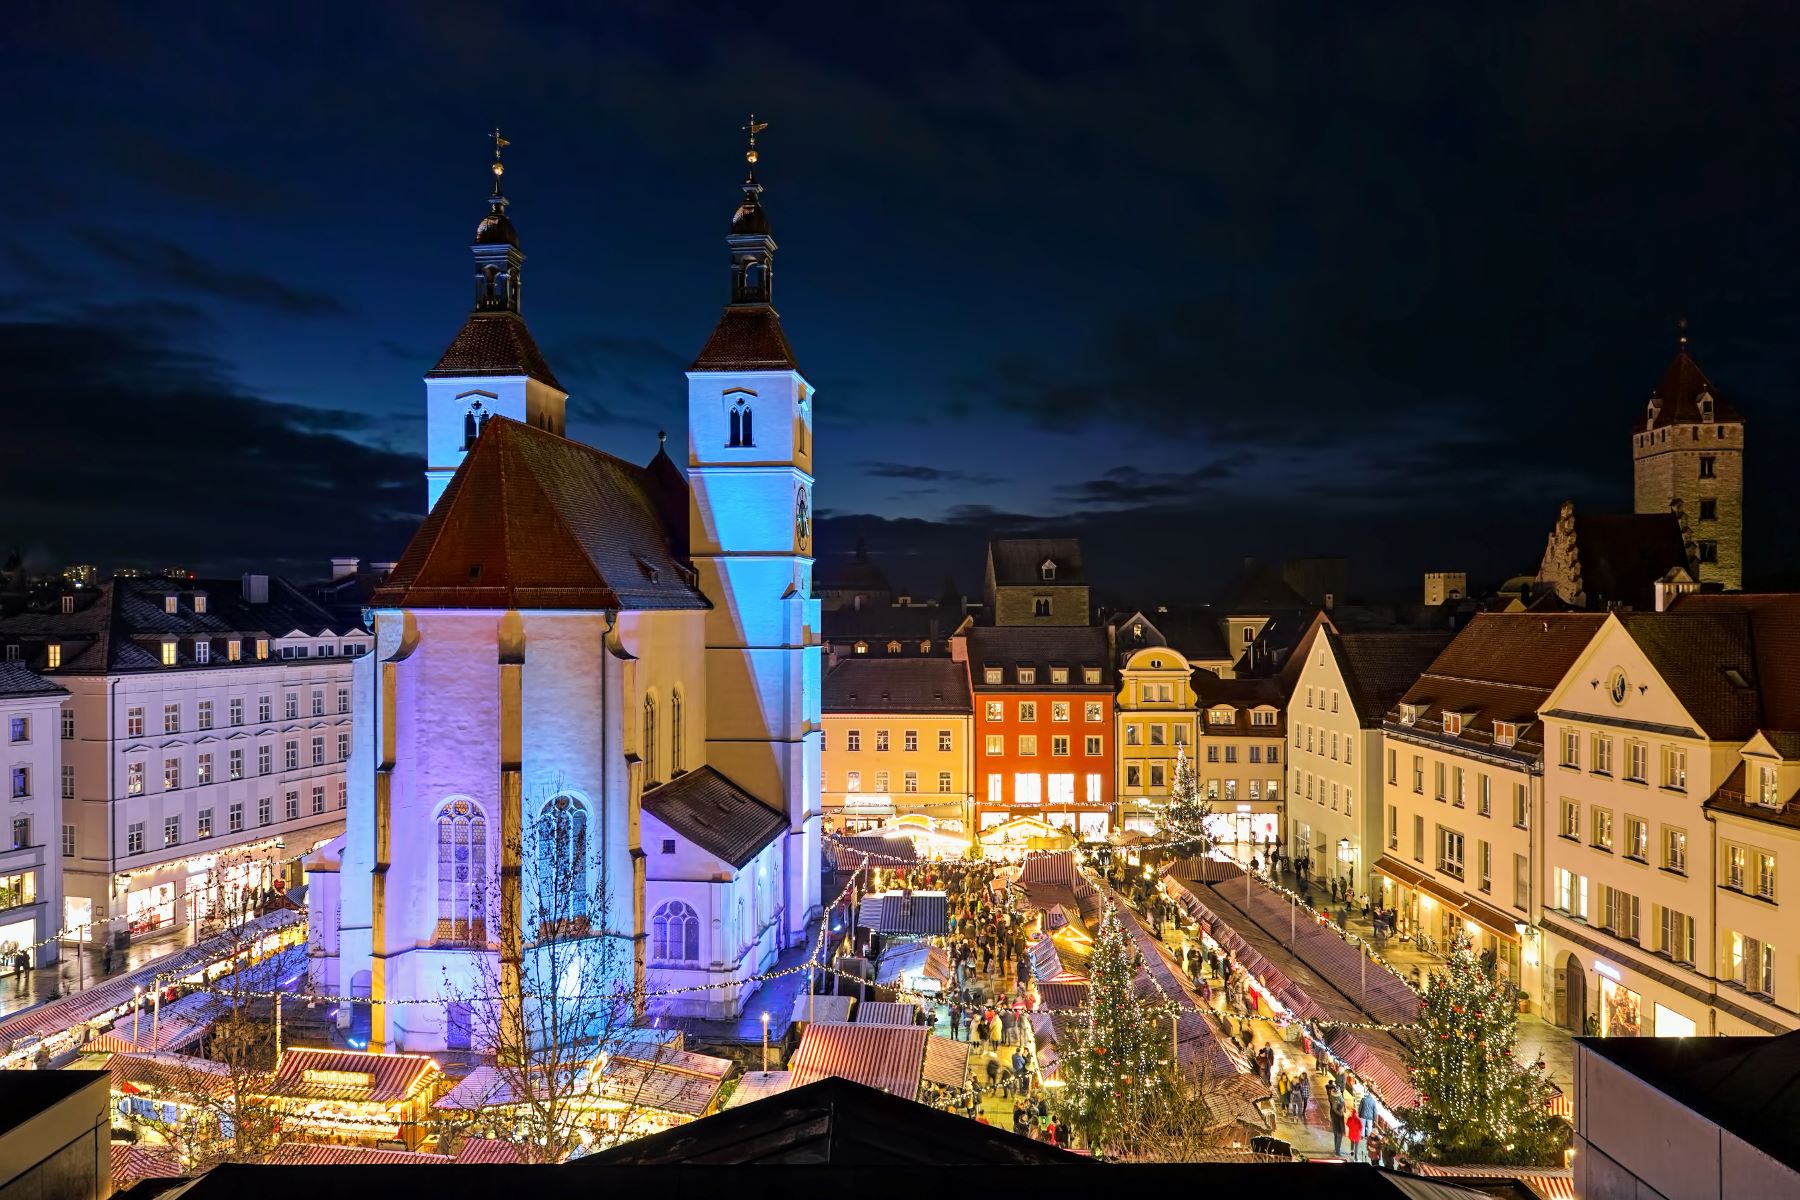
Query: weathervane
[753, 128]
[500, 144]
[1681, 324]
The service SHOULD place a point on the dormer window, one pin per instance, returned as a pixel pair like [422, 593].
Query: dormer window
[1706, 406]
[202, 652]
[1027, 674]
[1059, 674]
[262, 649]
[1090, 675]
[68, 605]
[1048, 570]
[199, 599]
[1453, 723]
[925, 646]
[169, 603]
[169, 655]
[1769, 787]
[862, 647]
[991, 675]
[1409, 713]
[1505, 733]
[893, 647]
[234, 650]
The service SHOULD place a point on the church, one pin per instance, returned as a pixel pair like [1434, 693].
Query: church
[591, 717]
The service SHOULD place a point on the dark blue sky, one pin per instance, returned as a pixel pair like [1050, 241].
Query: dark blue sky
[1383, 281]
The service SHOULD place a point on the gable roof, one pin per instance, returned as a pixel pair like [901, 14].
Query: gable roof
[715, 814]
[1624, 554]
[1692, 651]
[747, 338]
[1018, 562]
[900, 685]
[1676, 398]
[16, 679]
[1378, 668]
[889, 1057]
[493, 343]
[830, 1122]
[1773, 636]
[532, 520]
[391, 1078]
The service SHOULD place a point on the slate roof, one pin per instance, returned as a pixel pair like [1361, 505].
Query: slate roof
[535, 521]
[1011, 647]
[748, 337]
[873, 683]
[715, 814]
[1774, 641]
[1018, 562]
[16, 679]
[120, 625]
[1624, 554]
[877, 624]
[1242, 695]
[1747, 1085]
[1500, 667]
[494, 343]
[1676, 399]
[1692, 650]
[1378, 668]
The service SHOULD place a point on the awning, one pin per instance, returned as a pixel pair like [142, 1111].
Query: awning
[946, 1061]
[1495, 920]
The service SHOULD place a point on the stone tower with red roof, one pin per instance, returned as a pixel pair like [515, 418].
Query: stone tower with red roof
[1687, 453]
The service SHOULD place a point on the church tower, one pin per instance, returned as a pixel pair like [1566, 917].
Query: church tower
[493, 367]
[1687, 453]
[750, 459]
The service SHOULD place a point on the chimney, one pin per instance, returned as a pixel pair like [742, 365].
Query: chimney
[343, 568]
[256, 589]
[383, 569]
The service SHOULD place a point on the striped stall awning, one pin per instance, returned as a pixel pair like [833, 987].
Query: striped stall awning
[1549, 1183]
[888, 1057]
[946, 1061]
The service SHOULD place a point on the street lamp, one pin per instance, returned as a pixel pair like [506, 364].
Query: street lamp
[137, 1011]
[765, 1024]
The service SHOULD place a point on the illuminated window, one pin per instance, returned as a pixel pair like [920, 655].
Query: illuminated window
[562, 851]
[461, 873]
[675, 933]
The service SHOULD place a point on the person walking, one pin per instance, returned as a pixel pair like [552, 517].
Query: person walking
[1302, 1095]
[1337, 1126]
[1365, 1108]
[993, 1071]
[1353, 1129]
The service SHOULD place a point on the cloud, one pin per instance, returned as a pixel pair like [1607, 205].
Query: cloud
[161, 263]
[919, 473]
[1131, 486]
[214, 477]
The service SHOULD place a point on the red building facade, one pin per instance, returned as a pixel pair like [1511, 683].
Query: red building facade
[1043, 700]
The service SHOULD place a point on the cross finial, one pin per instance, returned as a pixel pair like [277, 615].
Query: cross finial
[499, 168]
[1681, 325]
[753, 128]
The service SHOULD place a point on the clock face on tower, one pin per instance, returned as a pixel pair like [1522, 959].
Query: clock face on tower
[802, 520]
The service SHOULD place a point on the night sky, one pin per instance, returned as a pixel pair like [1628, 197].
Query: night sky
[1381, 281]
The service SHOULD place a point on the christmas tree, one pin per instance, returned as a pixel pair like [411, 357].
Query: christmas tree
[1119, 1074]
[1476, 1103]
[1184, 821]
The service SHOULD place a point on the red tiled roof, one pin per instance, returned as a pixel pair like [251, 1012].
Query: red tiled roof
[131, 1163]
[494, 343]
[1500, 667]
[747, 338]
[1774, 636]
[392, 1077]
[532, 520]
[172, 1075]
[1677, 397]
[888, 1057]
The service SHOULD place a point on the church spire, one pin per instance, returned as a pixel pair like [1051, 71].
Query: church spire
[752, 246]
[497, 254]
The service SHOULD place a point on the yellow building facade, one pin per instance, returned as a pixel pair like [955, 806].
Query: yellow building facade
[1155, 718]
[897, 743]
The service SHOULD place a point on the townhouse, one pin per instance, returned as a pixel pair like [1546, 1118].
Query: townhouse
[897, 744]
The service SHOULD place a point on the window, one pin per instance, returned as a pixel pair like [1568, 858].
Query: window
[1059, 710]
[134, 779]
[1133, 734]
[203, 769]
[1734, 867]
[235, 818]
[1418, 773]
[318, 702]
[1090, 674]
[1485, 860]
[853, 740]
[1709, 510]
[53, 656]
[881, 781]
[1159, 735]
[1505, 733]
[1265, 716]
[994, 786]
[1675, 850]
[1571, 748]
[68, 841]
[853, 781]
[1521, 882]
[990, 675]
[291, 806]
[1460, 795]
[881, 741]
[171, 774]
[318, 751]
[134, 838]
[675, 933]
[1047, 571]
[1134, 776]
[1750, 964]
[265, 810]
[1484, 795]
[343, 700]
[68, 782]
[1181, 738]
[202, 652]
[1619, 913]
[204, 714]
[1675, 935]
[1093, 789]
[910, 781]
[236, 712]
[1637, 762]
[1453, 724]
[1091, 746]
[1393, 766]
[1521, 807]
[1571, 893]
[742, 421]
[203, 823]
[1059, 675]
[1438, 775]
[1707, 466]
[171, 718]
[134, 722]
[1040, 606]
[1768, 788]
[910, 740]
[68, 724]
[235, 765]
[1765, 875]
[1393, 824]
[1602, 755]
[290, 706]
[1231, 753]
[1027, 744]
[1028, 675]
[171, 831]
[1028, 788]
[943, 741]
[461, 874]
[343, 747]
[1212, 752]
[943, 781]
[1418, 839]
[1059, 746]
[169, 654]
[318, 800]
[343, 793]
[1028, 711]
[234, 650]
[263, 711]
[996, 743]
[1450, 852]
[290, 754]
[1571, 820]
[1603, 828]
[19, 729]
[1062, 789]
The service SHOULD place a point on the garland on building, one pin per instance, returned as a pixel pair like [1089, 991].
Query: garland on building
[1119, 1074]
[1184, 821]
[1476, 1103]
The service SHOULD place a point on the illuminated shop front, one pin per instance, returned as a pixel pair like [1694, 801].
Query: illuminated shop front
[348, 1097]
[1670, 1023]
[1243, 825]
[1621, 1009]
[1425, 905]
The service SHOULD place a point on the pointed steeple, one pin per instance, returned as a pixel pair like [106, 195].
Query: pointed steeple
[748, 336]
[497, 253]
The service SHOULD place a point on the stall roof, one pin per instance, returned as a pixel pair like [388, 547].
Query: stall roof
[808, 1007]
[888, 1057]
[880, 1012]
[756, 1085]
[350, 1075]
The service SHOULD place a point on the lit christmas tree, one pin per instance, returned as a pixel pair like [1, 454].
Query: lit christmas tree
[1184, 821]
[1476, 1103]
[1119, 1076]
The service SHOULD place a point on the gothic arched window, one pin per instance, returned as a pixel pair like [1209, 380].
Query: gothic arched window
[649, 747]
[562, 855]
[676, 766]
[743, 432]
[462, 874]
[675, 933]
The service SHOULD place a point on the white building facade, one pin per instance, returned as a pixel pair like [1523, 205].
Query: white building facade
[31, 710]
